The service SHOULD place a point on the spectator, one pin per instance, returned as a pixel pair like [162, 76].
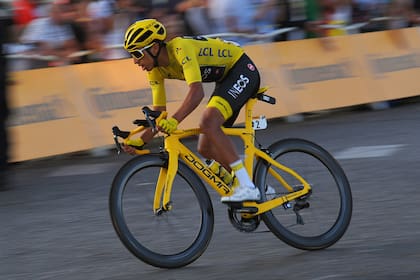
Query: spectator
[359, 12]
[25, 11]
[287, 13]
[313, 12]
[400, 13]
[53, 36]
[415, 16]
[334, 16]
[101, 13]
[265, 15]
[143, 8]
[123, 14]
[195, 17]
[165, 11]
[373, 9]
[82, 27]
[235, 16]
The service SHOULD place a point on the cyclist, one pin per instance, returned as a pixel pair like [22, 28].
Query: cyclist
[197, 60]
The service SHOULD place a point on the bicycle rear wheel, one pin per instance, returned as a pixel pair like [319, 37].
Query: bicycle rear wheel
[170, 239]
[318, 220]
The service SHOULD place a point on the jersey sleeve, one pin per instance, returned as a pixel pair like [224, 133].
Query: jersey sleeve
[157, 86]
[187, 58]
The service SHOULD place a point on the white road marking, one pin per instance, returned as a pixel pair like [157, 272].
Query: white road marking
[368, 151]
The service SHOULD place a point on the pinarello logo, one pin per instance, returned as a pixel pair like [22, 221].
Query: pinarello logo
[251, 67]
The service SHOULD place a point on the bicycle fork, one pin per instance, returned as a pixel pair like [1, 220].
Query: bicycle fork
[162, 200]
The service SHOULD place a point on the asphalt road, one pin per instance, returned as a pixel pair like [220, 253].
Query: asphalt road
[55, 222]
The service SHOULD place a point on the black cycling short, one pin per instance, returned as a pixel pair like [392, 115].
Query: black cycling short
[240, 84]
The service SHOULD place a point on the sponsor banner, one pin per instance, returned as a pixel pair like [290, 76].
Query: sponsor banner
[322, 73]
[391, 62]
[68, 109]
[73, 108]
[44, 116]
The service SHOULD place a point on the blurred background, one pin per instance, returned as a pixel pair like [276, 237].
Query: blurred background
[81, 31]
[54, 209]
[48, 34]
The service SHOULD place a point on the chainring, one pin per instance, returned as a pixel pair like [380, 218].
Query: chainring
[243, 224]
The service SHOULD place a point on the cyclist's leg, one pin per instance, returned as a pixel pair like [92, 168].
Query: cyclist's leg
[213, 143]
[228, 98]
[223, 150]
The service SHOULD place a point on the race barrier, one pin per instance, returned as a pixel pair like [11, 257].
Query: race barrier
[73, 108]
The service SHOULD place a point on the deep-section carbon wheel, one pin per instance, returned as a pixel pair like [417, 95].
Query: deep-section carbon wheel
[171, 238]
[319, 219]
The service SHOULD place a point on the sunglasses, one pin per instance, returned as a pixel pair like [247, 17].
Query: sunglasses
[138, 54]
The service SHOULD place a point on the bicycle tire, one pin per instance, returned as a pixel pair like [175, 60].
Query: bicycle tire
[131, 200]
[326, 219]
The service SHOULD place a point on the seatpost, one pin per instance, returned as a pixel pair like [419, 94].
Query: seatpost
[248, 136]
[249, 106]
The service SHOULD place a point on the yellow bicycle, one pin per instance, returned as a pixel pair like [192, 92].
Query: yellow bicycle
[163, 213]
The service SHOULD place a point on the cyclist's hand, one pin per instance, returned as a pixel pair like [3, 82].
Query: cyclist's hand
[168, 125]
[128, 149]
[131, 145]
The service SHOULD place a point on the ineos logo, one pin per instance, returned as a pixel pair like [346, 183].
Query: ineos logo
[239, 86]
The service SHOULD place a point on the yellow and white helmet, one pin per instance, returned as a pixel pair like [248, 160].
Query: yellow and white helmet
[143, 33]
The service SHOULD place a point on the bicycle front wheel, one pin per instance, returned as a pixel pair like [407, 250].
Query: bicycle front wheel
[167, 239]
[319, 219]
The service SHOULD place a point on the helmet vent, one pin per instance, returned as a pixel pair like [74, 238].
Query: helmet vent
[136, 33]
[144, 37]
[160, 31]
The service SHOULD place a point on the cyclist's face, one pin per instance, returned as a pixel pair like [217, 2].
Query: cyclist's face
[146, 62]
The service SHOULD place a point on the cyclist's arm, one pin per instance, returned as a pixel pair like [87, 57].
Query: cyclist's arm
[193, 99]
[159, 104]
[192, 73]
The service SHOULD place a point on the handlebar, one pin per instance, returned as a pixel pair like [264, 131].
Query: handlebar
[150, 121]
[152, 118]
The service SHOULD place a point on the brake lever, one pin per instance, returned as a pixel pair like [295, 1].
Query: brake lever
[118, 133]
[117, 144]
[150, 121]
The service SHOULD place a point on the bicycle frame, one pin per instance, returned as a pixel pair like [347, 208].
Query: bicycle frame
[177, 150]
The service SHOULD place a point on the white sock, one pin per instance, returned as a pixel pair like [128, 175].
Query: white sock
[241, 173]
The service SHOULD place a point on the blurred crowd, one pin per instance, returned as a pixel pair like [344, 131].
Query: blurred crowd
[61, 32]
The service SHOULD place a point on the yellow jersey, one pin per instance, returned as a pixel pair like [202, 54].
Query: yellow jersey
[193, 59]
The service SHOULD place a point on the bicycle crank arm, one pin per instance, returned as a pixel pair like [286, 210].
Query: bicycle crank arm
[239, 207]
